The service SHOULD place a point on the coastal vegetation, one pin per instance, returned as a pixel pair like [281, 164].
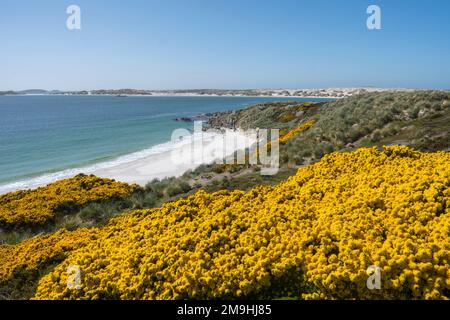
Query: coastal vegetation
[375, 119]
[298, 129]
[41, 205]
[312, 236]
[420, 119]
[339, 203]
[28, 212]
[22, 265]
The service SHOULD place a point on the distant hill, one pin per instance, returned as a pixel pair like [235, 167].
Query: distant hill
[33, 91]
[317, 93]
[3, 93]
[122, 92]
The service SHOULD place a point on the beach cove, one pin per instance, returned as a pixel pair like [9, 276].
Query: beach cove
[47, 138]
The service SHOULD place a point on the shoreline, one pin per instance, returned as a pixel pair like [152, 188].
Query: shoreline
[140, 166]
[174, 95]
[169, 159]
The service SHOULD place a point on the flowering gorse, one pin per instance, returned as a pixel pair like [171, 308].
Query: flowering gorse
[33, 254]
[300, 128]
[40, 205]
[312, 236]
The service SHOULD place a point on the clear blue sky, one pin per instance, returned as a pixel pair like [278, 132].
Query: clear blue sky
[175, 44]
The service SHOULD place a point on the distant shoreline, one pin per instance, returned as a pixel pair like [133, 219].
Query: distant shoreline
[171, 96]
[331, 93]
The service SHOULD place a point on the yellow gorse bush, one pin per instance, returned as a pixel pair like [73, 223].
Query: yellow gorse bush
[40, 205]
[300, 128]
[286, 134]
[30, 255]
[312, 236]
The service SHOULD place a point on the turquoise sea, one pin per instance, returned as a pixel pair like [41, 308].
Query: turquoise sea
[42, 135]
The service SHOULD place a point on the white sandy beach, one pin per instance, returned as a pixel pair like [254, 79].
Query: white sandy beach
[160, 161]
[176, 161]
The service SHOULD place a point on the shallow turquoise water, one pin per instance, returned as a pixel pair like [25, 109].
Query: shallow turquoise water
[47, 134]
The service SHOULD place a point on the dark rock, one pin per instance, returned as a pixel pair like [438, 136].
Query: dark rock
[184, 119]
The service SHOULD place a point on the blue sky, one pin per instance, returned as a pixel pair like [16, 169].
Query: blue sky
[176, 44]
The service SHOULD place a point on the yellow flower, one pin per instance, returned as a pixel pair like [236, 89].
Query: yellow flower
[312, 236]
[40, 205]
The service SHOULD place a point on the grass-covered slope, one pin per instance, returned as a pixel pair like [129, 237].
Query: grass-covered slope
[375, 119]
[268, 115]
[312, 236]
[416, 118]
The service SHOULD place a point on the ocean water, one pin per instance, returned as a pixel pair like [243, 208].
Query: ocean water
[41, 136]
